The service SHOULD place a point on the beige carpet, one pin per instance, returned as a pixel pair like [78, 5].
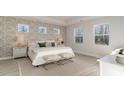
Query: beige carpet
[81, 66]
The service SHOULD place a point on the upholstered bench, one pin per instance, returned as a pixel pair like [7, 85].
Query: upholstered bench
[52, 58]
[66, 55]
[57, 59]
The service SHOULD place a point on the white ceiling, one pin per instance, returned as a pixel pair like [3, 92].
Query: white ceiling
[71, 18]
[65, 18]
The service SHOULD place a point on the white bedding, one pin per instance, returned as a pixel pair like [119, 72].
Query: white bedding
[36, 54]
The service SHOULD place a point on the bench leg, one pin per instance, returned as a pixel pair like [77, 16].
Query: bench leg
[59, 63]
[70, 60]
[36, 66]
[44, 66]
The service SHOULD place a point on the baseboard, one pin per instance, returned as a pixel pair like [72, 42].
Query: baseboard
[88, 54]
[5, 58]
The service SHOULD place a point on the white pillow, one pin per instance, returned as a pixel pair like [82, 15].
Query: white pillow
[40, 41]
[48, 43]
[32, 44]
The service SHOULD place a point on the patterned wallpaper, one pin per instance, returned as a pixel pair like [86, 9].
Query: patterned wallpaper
[8, 32]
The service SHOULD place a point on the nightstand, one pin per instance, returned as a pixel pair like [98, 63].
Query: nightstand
[19, 52]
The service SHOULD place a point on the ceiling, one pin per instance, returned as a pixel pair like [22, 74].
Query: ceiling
[72, 18]
[65, 18]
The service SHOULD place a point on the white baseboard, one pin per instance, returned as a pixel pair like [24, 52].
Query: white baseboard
[5, 58]
[88, 54]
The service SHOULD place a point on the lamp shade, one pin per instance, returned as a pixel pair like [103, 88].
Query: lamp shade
[60, 40]
[20, 41]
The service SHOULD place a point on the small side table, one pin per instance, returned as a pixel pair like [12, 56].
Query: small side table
[19, 52]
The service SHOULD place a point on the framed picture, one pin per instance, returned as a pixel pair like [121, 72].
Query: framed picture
[42, 30]
[23, 28]
[56, 30]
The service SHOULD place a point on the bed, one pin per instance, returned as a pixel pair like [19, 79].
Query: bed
[37, 54]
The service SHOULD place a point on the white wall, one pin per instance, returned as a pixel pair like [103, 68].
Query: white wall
[89, 47]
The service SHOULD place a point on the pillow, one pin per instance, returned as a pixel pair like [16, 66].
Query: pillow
[32, 44]
[52, 44]
[40, 41]
[48, 44]
[42, 44]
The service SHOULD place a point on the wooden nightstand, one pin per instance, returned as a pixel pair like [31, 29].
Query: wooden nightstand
[19, 52]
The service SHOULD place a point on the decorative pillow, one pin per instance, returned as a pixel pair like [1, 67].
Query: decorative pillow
[32, 44]
[48, 44]
[42, 44]
[53, 44]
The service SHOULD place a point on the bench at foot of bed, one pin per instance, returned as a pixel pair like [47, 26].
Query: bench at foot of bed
[56, 59]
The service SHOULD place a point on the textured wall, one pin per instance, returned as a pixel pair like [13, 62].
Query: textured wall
[8, 32]
[88, 46]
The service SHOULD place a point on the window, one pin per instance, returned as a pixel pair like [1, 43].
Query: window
[42, 30]
[23, 28]
[78, 35]
[56, 30]
[102, 34]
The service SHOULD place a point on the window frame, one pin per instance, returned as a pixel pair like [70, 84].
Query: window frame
[20, 30]
[57, 32]
[75, 35]
[42, 27]
[108, 34]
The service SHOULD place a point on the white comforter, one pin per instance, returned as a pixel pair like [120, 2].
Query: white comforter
[36, 54]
